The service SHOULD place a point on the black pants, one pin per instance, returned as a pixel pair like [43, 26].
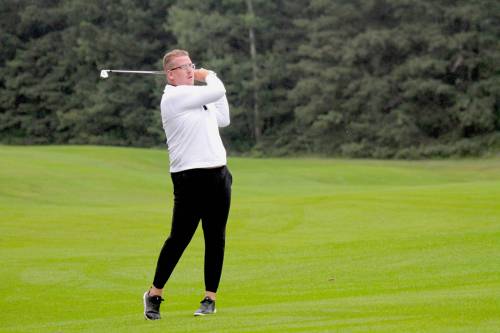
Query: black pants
[198, 194]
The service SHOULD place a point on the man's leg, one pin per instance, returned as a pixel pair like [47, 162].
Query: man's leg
[185, 219]
[214, 222]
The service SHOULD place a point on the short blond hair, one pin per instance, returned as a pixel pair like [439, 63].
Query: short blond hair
[167, 58]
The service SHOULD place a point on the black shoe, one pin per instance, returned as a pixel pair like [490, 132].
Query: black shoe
[152, 306]
[207, 307]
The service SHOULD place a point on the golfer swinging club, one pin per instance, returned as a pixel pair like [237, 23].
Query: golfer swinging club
[191, 117]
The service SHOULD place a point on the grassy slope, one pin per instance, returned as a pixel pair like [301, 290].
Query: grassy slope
[313, 245]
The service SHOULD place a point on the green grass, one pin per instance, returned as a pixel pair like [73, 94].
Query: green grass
[313, 245]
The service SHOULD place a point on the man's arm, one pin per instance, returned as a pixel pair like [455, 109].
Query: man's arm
[221, 105]
[190, 97]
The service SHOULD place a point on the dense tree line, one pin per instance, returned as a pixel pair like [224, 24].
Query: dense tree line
[359, 78]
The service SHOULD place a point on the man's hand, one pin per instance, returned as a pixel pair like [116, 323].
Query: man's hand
[200, 74]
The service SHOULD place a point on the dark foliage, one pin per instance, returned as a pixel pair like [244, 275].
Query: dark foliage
[375, 78]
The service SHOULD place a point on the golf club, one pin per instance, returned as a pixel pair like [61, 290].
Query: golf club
[105, 72]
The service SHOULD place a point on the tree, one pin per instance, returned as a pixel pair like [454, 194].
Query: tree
[253, 61]
[52, 92]
[33, 80]
[397, 72]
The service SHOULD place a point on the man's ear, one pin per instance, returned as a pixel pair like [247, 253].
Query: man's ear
[170, 76]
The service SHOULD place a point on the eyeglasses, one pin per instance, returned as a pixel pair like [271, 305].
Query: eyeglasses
[184, 67]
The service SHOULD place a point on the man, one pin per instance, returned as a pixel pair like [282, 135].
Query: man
[191, 117]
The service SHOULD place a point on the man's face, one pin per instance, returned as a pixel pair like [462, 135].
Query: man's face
[181, 72]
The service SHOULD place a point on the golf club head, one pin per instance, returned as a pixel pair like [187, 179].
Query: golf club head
[104, 74]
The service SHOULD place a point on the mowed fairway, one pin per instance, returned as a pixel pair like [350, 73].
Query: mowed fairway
[313, 245]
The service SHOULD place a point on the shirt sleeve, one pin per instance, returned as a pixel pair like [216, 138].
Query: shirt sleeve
[222, 111]
[190, 97]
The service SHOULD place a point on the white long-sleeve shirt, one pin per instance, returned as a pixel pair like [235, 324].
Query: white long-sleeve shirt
[191, 117]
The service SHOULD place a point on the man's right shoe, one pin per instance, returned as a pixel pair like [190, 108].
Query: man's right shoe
[152, 306]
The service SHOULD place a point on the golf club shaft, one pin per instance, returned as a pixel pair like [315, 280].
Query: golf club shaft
[131, 71]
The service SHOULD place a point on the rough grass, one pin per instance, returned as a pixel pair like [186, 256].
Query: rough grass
[314, 245]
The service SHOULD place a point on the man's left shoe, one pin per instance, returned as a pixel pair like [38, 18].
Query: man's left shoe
[207, 307]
